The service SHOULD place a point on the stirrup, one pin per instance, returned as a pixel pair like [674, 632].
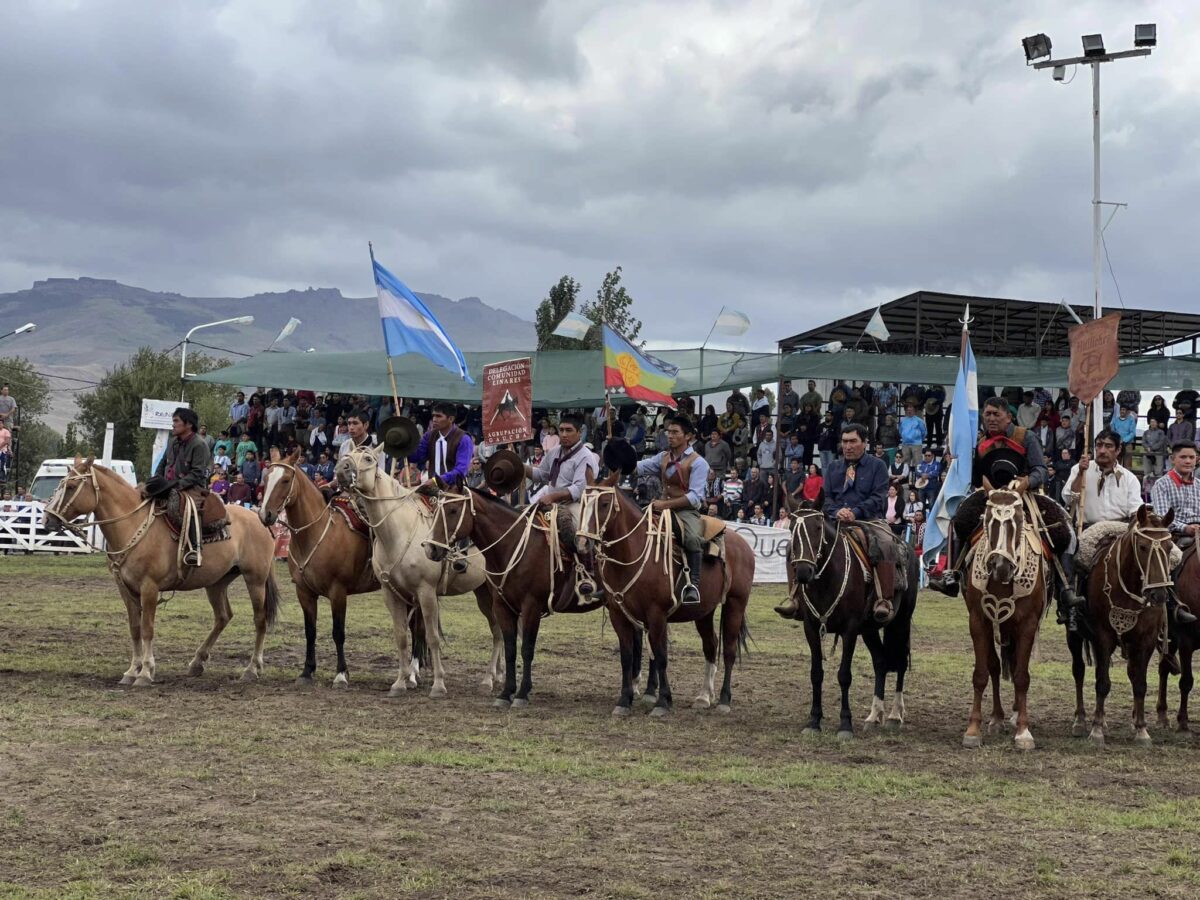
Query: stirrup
[884, 606]
[789, 608]
[690, 595]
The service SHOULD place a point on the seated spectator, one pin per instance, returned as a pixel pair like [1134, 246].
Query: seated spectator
[1182, 429]
[239, 492]
[740, 516]
[783, 520]
[708, 421]
[898, 472]
[888, 437]
[759, 517]
[1125, 426]
[913, 506]
[929, 477]
[814, 485]
[325, 467]
[894, 510]
[221, 459]
[220, 483]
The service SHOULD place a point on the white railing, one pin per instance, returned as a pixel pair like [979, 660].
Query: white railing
[21, 531]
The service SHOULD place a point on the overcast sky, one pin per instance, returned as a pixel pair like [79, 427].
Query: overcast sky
[795, 160]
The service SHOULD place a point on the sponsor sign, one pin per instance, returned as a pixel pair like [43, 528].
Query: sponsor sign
[156, 414]
[508, 401]
[770, 546]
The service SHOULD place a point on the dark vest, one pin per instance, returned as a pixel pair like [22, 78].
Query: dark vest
[676, 485]
[452, 441]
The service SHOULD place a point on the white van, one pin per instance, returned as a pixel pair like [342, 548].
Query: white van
[52, 471]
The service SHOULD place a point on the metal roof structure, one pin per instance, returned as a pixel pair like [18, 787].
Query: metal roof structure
[929, 323]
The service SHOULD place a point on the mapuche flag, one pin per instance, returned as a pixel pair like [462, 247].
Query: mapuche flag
[639, 376]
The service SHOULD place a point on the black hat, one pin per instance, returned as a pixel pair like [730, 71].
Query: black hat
[399, 436]
[619, 456]
[1002, 465]
[504, 471]
[187, 415]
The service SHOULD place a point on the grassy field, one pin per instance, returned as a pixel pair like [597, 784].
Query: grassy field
[213, 788]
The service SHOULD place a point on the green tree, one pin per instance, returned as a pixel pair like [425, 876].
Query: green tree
[33, 440]
[148, 374]
[30, 389]
[558, 302]
[71, 444]
[38, 442]
[612, 306]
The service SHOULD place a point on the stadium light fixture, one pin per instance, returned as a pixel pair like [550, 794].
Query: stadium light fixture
[27, 327]
[1145, 35]
[237, 320]
[1036, 46]
[1093, 45]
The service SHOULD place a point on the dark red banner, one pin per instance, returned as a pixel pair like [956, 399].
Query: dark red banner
[508, 401]
[1095, 356]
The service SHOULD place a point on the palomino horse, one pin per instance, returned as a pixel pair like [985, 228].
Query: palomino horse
[836, 595]
[145, 563]
[327, 557]
[400, 523]
[525, 569]
[633, 552]
[1127, 591]
[1187, 640]
[1006, 594]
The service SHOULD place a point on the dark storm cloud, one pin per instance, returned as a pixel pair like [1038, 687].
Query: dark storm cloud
[793, 160]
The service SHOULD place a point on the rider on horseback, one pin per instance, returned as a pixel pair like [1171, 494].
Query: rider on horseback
[564, 471]
[1008, 456]
[684, 476]
[184, 468]
[446, 451]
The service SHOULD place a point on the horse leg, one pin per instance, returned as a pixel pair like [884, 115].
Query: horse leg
[531, 622]
[874, 645]
[845, 676]
[638, 641]
[816, 677]
[733, 618]
[337, 608]
[997, 720]
[149, 604]
[430, 612]
[398, 607]
[483, 599]
[706, 628]
[258, 599]
[896, 717]
[650, 695]
[308, 605]
[656, 623]
[1102, 652]
[1185, 683]
[1138, 665]
[1025, 636]
[986, 666]
[507, 621]
[1078, 670]
[218, 599]
[133, 612]
[630, 639]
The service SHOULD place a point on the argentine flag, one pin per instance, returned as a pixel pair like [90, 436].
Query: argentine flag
[964, 425]
[409, 326]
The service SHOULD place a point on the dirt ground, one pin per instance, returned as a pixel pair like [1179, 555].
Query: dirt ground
[211, 787]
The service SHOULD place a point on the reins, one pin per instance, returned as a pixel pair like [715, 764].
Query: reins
[56, 506]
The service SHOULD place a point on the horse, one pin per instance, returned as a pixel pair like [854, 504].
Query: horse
[828, 576]
[1127, 591]
[525, 569]
[1187, 640]
[146, 563]
[1006, 593]
[327, 557]
[633, 552]
[400, 521]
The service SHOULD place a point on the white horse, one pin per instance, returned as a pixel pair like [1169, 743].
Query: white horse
[401, 521]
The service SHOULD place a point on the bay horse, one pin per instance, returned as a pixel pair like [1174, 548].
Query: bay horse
[1006, 593]
[326, 556]
[1187, 641]
[1127, 591]
[633, 552]
[835, 594]
[528, 577]
[145, 563]
[400, 521]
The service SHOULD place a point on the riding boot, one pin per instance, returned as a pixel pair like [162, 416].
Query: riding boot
[460, 562]
[947, 582]
[790, 607]
[1177, 611]
[691, 591]
[1067, 597]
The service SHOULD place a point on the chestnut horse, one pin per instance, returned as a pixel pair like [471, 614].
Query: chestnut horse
[1006, 593]
[1127, 591]
[633, 553]
[835, 595]
[528, 580]
[145, 565]
[1187, 641]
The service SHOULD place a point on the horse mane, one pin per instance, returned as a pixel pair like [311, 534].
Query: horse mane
[493, 500]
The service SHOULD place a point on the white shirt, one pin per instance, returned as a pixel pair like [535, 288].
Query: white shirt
[349, 445]
[1121, 498]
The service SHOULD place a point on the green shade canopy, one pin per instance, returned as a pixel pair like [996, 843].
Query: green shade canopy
[575, 377]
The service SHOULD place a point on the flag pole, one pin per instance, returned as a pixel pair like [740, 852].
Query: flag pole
[702, 346]
[391, 371]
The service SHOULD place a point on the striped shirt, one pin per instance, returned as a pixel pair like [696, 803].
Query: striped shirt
[1183, 497]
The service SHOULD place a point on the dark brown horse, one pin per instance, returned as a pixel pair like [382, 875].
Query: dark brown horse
[835, 595]
[633, 553]
[1006, 595]
[1127, 591]
[1186, 640]
[527, 575]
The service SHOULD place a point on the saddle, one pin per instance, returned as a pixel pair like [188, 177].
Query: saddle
[883, 554]
[350, 513]
[214, 520]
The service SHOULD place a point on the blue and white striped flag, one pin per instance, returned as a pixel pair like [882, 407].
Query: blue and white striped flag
[409, 326]
[964, 425]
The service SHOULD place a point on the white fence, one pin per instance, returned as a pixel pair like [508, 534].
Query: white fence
[21, 531]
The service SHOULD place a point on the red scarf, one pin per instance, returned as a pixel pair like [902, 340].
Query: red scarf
[1178, 479]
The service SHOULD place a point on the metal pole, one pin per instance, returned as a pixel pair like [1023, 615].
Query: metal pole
[1098, 403]
[182, 369]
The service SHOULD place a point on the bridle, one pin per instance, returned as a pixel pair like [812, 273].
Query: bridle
[1155, 563]
[1009, 544]
[809, 552]
[291, 495]
[803, 549]
[59, 503]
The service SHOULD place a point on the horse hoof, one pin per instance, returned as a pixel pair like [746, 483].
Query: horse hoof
[997, 726]
[659, 712]
[701, 703]
[893, 724]
[1162, 721]
[437, 692]
[1142, 739]
[195, 670]
[622, 712]
[501, 703]
[1024, 743]
[341, 680]
[304, 681]
[637, 692]
[1096, 737]
[126, 680]
[648, 699]
[143, 681]
[249, 675]
[845, 735]
[724, 709]
[972, 741]
[486, 684]
[810, 731]
[1078, 729]
[1183, 729]
[520, 703]
[394, 691]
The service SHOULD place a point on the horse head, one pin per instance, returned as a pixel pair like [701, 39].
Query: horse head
[453, 519]
[810, 534]
[77, 495]
[1150, 539]
[358, 470]
[280, 490]
[1004, 532]
[599, 508]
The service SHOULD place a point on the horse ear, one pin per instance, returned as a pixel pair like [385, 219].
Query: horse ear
[274, 454]
[987, 485]
[78, 460]
[294, 455]
[1141, 515]
[88, 462]
[1168, 518]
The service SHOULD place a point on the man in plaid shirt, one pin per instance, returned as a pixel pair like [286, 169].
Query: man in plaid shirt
[1177, 490]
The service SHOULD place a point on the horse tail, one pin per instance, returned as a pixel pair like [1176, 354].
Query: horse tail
[420, 644]
[744, 636]
[897, 636]
[271, 603]
[1008, 659]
